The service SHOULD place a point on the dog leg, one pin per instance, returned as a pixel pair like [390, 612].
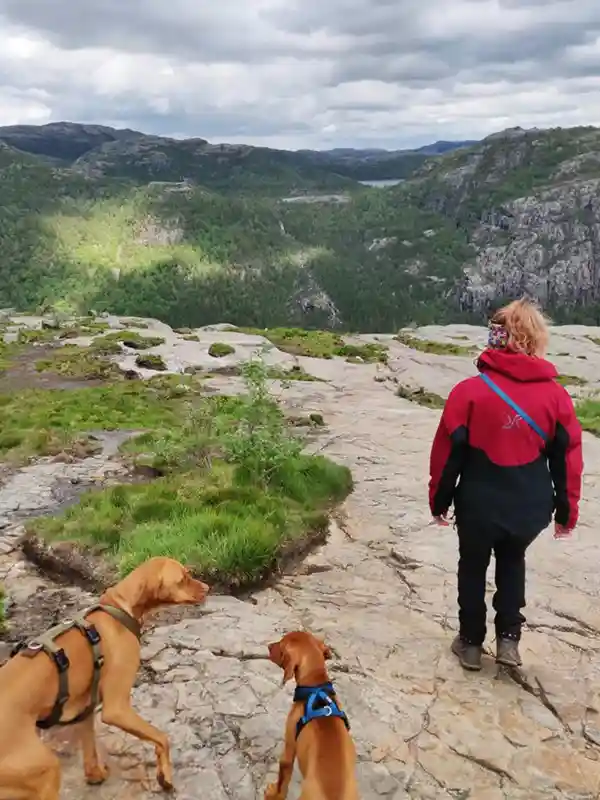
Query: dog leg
[116, 686]
[125, 718]
[95, 771]
[279, 790]
[36, 778]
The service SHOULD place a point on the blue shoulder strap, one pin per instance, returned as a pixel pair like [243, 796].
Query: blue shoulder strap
[509, 401]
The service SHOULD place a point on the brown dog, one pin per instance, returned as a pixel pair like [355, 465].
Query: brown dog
[316, 728]
[102, 655]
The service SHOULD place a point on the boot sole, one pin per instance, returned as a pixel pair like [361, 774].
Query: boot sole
[508, 663]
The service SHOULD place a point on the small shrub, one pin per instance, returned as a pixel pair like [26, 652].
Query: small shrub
[220, 349]
[259, 443]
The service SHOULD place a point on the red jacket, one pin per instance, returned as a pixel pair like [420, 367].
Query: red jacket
[491, 464]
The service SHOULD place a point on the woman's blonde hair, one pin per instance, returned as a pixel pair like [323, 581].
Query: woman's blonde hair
[526, 326]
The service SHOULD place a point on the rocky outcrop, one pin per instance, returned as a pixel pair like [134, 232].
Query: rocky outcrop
[382, 593]
[528, 203]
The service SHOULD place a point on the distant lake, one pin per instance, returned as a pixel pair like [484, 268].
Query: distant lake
[386, 182]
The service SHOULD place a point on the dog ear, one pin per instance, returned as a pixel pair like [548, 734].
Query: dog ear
[326, 651]
[280, 655]
[275, 653]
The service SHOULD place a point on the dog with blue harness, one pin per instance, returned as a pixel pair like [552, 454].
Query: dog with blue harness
[317, 729]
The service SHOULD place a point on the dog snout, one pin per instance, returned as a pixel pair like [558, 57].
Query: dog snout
[201, 590]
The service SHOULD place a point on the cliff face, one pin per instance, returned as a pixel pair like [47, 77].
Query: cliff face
[529, 204]
[546, 245]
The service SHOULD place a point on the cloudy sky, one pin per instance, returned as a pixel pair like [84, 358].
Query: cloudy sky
[302, 73]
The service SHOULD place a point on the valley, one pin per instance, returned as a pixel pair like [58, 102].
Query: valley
[94, 219]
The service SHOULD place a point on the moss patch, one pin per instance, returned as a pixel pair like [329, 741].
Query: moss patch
[151, 361]
[136, 323]
[133, 339]
[295, 373]
[437, 348]
[220, 349]
[81, 362]
[234, 488]
[421, 396]
[319, 344]
[192, 337]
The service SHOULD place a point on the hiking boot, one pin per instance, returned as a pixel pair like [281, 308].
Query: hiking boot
[469, 655]
[507, 652]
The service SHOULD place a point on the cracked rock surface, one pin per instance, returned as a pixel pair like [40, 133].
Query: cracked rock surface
[382, 592]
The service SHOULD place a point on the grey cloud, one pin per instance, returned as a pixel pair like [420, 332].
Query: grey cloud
[179, 28]
[390, 41]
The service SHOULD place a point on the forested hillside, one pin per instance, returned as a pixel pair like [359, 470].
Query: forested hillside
[515, 213]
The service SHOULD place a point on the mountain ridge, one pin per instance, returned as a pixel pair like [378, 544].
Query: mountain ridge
[82, 146]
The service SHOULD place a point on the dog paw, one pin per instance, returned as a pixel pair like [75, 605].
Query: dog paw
[96, 774]
[165, 783]
[271, 792]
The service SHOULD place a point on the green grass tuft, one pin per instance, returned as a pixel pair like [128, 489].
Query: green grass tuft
[41, 422]
[234, 487]
[588, 412]
[220, 349]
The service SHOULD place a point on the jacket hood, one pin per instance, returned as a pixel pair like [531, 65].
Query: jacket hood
[518, 366]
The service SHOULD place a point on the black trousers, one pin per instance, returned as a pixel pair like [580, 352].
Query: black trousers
[476, 544]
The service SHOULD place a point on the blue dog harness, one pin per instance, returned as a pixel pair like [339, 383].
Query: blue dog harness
[318, 702]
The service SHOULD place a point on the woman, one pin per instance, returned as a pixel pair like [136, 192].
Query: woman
[507, 453]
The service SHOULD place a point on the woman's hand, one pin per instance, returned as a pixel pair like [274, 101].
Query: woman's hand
[441, 520]
[561, 532]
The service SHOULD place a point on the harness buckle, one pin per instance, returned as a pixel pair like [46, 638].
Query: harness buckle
[61, 660]
[92, 635]
[326, 711]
